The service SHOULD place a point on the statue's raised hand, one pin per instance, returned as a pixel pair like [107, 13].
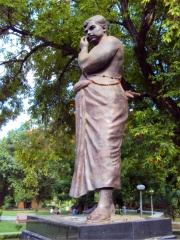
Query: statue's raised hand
[84, 42]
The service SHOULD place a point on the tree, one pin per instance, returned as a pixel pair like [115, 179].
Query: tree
[10, 170]
[46, 35]
[34, 164]
[45, 162]
[153, 161]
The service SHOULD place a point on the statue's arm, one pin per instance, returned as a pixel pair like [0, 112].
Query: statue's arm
[99, 56]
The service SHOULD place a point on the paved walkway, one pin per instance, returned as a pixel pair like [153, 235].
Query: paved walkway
[8, 218]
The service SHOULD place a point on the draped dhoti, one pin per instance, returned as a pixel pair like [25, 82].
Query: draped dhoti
[101, 113]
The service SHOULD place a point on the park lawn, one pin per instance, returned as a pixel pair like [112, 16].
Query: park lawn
[11, 226]
[13, 213]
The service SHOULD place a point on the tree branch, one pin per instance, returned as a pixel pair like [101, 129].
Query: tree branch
[26, 33]
[4, 30]
[116, 22]
[147, 18]
[65, 68]
[45, 44]
[127, 23]
[59, 80]
[22, 61]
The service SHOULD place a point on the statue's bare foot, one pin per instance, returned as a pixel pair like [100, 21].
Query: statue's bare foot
[101, 214]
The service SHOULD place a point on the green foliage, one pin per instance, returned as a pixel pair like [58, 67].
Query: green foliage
[38, 161]
[10, 236]
[40, 153]
[10, 169]
[154, 156]
[170, 201]
[172, 22]
[119, 212]
[19, 227]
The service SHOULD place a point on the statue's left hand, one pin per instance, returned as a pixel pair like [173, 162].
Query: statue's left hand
[130, 95]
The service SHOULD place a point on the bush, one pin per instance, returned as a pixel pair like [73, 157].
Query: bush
[118, 212]
[19, 226]
[10, 236]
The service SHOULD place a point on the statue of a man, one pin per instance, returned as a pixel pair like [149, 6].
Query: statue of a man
[101, 113]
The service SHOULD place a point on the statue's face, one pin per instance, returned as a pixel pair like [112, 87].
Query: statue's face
[94, 32]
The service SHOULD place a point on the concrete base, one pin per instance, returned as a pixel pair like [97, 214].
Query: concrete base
[69, 227]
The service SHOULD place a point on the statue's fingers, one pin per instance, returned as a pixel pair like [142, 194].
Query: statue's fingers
[129, 95]
[132, 94]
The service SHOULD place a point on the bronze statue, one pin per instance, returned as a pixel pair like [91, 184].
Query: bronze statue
[101, 113]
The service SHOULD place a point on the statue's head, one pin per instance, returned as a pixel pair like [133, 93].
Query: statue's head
[95, 28]
[98, 19]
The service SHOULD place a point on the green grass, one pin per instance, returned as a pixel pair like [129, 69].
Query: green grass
[38, 213]
[14, 213]
[177, 220]
[11, 226]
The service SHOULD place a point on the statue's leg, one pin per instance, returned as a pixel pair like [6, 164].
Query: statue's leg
[105, 207]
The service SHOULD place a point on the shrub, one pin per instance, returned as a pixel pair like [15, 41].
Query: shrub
[19, 226]
[10, 236]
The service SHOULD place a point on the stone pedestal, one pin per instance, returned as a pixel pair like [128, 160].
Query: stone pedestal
[121, 227]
